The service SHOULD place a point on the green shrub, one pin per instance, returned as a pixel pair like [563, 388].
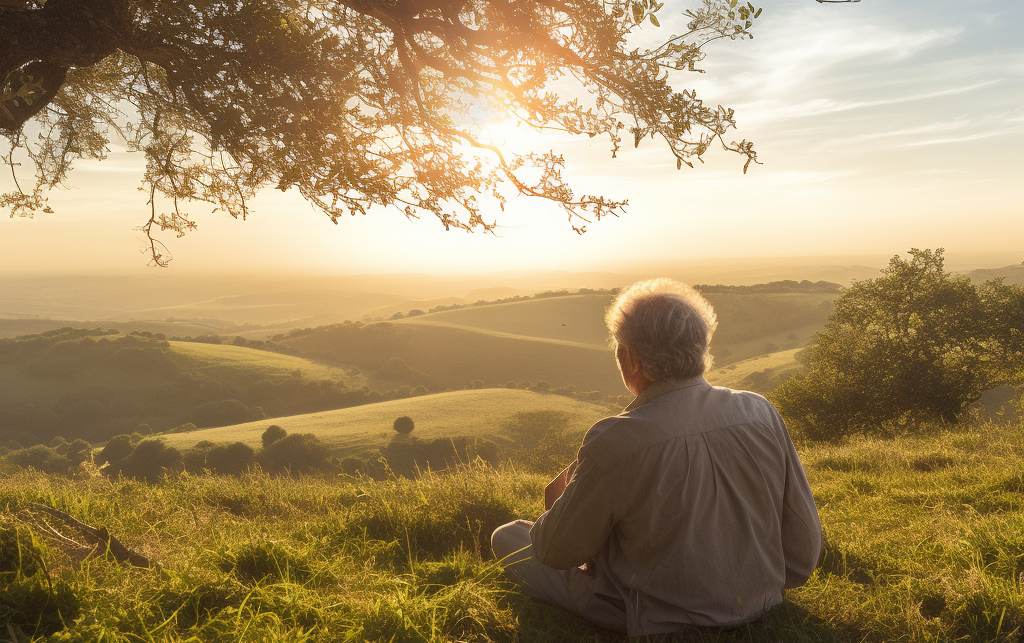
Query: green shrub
[230, 459]
[150, 460]
[40, 457]
[296, 454]
[403, 425]
[116, 449]
[911, 346]
[272, 435]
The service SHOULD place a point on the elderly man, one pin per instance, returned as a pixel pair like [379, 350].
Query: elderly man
[688, 508]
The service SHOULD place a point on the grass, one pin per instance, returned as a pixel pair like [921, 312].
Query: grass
[558, 340]
[230, 361]
[362, 429]
[750, 323]
[925, 541]
[762, 373]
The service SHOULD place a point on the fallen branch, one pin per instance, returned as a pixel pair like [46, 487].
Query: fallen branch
[103, 543]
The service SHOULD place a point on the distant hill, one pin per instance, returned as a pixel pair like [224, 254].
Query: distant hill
[759, 374]
[559, 341]
[1012, 274]
[95, 383]
[357, 431]
[443, 356]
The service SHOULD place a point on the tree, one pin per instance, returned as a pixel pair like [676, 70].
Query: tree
[297, 453]
[352, 103]
[230, 459]
[272, 435]
[403, 425]
[912, 345]
[116, 449]
[150, 460]
[40, 457]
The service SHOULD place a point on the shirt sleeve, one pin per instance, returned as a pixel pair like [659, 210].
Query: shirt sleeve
[581, 520]
[801, 528]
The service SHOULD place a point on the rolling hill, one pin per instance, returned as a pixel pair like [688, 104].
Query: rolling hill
[760, 374]
[357, 431]
[95, 383]
[558, 341]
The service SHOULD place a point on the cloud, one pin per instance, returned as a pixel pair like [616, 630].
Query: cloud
[966, 138]
[776, 110]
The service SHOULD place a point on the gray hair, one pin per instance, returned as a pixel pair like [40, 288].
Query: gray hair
[666, 325]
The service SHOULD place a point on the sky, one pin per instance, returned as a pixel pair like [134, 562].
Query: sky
[881, 126]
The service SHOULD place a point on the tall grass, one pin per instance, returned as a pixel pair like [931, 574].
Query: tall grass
[925, 541]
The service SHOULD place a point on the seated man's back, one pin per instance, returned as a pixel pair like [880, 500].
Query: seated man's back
[692, 507]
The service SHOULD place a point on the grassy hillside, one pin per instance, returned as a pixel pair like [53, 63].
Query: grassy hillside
[486, 413]
[95, 384]
[233, 362]
[760, 374]
[557, 340]
[750, 323]
[441, 356]
[925, 538]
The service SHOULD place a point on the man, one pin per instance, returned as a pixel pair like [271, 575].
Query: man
[688, 508]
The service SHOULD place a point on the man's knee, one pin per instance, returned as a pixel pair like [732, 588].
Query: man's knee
[510, 538]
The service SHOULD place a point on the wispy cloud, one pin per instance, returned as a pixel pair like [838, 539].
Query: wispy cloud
[775, 110]
[966, 138]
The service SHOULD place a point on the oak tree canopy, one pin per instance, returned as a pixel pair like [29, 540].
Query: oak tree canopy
[353, 103]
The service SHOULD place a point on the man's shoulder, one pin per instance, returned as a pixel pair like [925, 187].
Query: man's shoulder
[747, 406]
[613, 438]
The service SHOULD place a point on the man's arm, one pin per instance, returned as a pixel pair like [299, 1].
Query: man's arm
[580, 521]
[557, 486]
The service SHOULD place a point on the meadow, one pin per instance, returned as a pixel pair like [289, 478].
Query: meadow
[360, 431]
[559, 341]
[923, 543]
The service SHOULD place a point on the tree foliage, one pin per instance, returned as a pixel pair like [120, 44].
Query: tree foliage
[352, 103]
[915, 344]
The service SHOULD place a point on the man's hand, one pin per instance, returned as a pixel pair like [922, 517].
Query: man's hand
[558, 485]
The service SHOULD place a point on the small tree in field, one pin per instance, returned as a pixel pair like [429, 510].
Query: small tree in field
[230, 459]
[912, 345]
[272, 435]
[403, 425]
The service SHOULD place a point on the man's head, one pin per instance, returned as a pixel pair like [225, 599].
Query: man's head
[661, 330]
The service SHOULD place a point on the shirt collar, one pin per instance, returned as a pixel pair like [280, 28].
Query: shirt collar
[657, 389]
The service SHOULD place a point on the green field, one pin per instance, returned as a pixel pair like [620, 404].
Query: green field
[925, 542]
[750, 323]
[760, 374]
[362, 429]
[230, 361]
[560, 341]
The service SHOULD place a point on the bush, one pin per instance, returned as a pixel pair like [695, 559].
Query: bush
[150, 460]
[117, 448]
[40, 457]
[403, 425]
[272, 435]
[221, 413]
[296, 454]
[914, 345]
[230, 459]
